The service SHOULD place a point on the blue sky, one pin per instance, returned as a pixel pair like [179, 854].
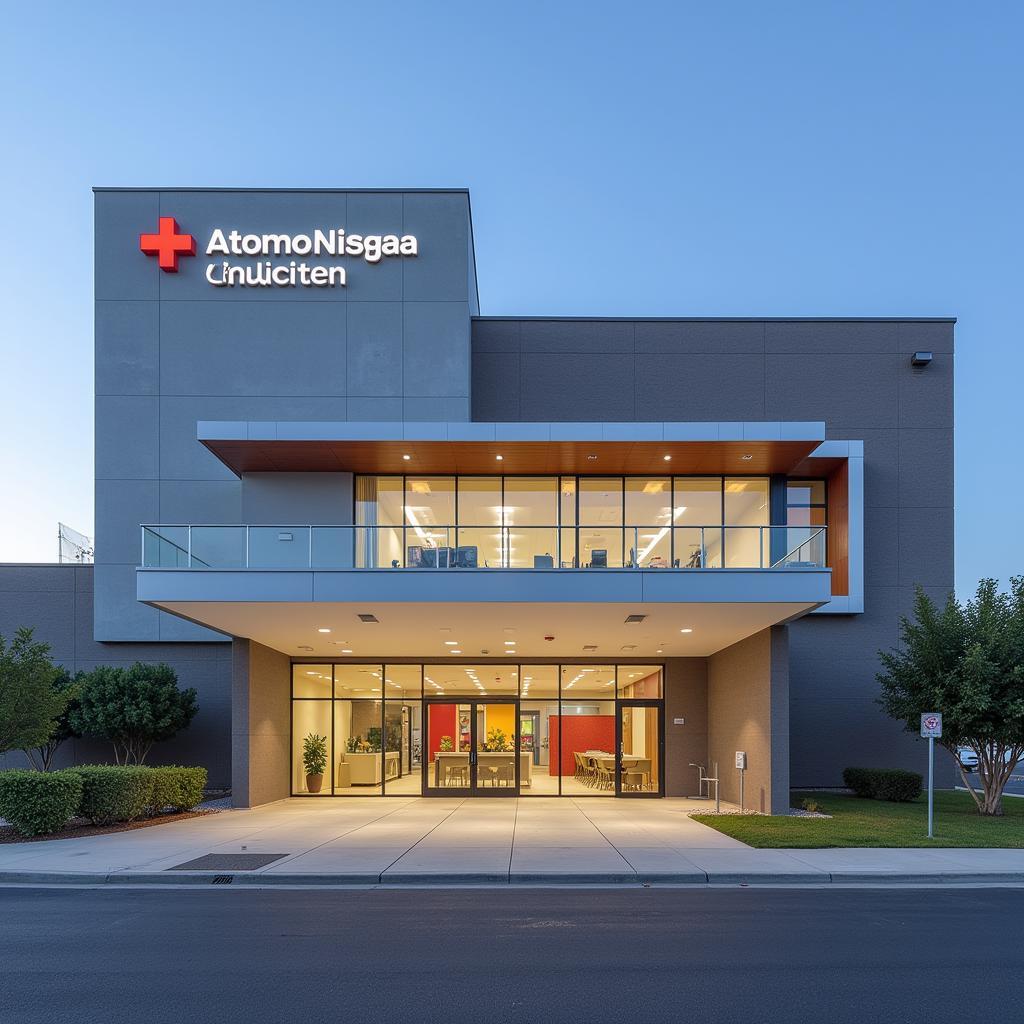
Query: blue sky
[653, 159]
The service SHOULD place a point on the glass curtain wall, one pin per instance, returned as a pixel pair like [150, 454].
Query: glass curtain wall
[542, 522]
[364, 730]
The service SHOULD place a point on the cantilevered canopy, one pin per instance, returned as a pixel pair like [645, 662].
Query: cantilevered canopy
[512, 448]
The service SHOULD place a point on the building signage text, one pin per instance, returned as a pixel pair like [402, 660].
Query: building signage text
[266, 260]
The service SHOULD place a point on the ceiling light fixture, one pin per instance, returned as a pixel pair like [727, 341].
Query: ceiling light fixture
[455, 650]
[323, 629]
[746, 458]
[346, 650]
[451, 643]
[667, 458]
[500, 458]
[686, 631]
[406, 457]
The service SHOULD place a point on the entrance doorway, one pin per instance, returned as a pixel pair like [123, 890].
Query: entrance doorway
[473, 748]
[639, 740]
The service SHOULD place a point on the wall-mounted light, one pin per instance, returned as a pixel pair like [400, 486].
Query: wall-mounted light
[921, 358]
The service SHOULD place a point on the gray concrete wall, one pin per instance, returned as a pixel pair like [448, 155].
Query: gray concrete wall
[296, 499]
[171, 349]
[260, 724]
[686, 697]
[856, 376]
[57, 601]
[748, 700]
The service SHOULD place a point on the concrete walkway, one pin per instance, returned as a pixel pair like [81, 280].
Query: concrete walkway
[417, 841]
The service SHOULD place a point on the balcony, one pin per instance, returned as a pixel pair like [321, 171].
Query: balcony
[473, 548]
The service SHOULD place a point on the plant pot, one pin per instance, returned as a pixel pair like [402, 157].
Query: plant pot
[314, 782]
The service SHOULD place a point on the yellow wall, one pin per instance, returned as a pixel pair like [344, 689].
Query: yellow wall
[499, 716]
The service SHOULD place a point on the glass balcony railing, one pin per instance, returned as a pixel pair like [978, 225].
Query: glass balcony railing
[483, 547]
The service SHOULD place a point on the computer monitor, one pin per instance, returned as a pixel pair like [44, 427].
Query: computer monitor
[599, 558]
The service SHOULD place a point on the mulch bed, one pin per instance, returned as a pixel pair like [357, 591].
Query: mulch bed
[77, 828]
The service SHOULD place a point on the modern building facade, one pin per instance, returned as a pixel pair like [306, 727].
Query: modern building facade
[471, 555]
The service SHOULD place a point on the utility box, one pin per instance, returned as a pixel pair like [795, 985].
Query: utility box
[741, 759]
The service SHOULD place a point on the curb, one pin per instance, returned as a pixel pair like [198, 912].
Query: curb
[697, 878]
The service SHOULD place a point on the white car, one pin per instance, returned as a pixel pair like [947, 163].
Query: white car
[968, 758]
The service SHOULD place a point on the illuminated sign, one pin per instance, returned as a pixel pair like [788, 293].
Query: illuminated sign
[255, 260]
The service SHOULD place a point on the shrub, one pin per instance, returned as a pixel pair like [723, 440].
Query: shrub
[883, 783]
[811, 806]
[36, 803]
[114, 793]
[177, 787]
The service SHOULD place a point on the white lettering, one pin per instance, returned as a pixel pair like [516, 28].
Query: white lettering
[217, 243]
[408, 245]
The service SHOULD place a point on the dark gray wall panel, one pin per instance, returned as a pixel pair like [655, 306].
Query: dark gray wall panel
[678, 386]
[573, 387]
[708, 337]
[252, 348]
[375, 350]
[128, 347]
[585, 337]
[297, 498]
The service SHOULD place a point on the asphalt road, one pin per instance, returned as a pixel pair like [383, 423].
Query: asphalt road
[524, 955]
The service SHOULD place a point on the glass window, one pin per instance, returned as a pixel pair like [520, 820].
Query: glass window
[649, 512]
[357, 681]
[531, 515]
[697, 515]
[358, 746]
[480, 538]
[311, 681]
[568, 553]
[538, 708]
[600, 512]
[640, 681]
[746, 511]
[805, 492]
[379, 518]
[311, 747]
[584, 731]
[429, 517]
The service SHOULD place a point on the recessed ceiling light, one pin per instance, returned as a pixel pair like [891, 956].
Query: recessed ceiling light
[686, 631]
[667, 458]
[500, 458]
[591, 458]
[660, 651]
[346, 650]
[406, 457]
[510, 643]
[746, 458]
[455, 650]
[323, 629]
[451, 643]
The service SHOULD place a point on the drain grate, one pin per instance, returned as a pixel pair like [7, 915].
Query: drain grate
[223, 879]
[229, 862]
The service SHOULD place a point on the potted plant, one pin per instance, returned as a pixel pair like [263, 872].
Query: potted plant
[497, 740]
[446, 744]
[314, 761]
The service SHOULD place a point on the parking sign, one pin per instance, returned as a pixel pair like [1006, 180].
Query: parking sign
[931, 725]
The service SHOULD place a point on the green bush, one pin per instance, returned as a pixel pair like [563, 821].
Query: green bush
[177, 787]
[883, 783]
[36, 803]
[113, 793]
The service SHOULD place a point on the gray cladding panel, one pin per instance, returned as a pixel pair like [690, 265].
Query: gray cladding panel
[252, 348]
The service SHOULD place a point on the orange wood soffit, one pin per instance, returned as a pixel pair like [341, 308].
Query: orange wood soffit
[517, 457]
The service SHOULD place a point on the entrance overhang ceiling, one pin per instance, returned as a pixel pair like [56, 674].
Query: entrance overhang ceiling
[491, 631]
[512, 448]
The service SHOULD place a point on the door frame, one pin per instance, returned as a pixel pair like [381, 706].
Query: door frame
[473, 789]
[640, 702]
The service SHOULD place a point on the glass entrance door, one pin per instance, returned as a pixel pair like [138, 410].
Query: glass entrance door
[472, 748]
[639, 738]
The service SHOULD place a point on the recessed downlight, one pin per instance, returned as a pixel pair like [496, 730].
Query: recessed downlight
[746, 458]
[451, 643]
[406, 458]
[667, 458]
[499, 458]
[455, 650]
[686, 631]
[323, 629]
[346, 650]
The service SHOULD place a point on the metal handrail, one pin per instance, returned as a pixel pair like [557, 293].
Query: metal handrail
[430, 535]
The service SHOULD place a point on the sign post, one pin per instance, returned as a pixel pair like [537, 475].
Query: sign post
[741, 764]
[931, 728]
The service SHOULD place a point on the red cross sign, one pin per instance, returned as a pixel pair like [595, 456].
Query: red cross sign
[168, 245]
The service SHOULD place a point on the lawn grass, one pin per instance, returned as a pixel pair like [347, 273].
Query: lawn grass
[857, 822]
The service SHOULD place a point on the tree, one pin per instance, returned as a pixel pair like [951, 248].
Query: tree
[132, 707]
[41, 755]
[966, 661]
[29, 704]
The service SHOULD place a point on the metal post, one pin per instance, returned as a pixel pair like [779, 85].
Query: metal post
[743, 805]
[931, 786]
[718, 790]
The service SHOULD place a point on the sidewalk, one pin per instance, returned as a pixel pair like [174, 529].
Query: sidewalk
[376, 841]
